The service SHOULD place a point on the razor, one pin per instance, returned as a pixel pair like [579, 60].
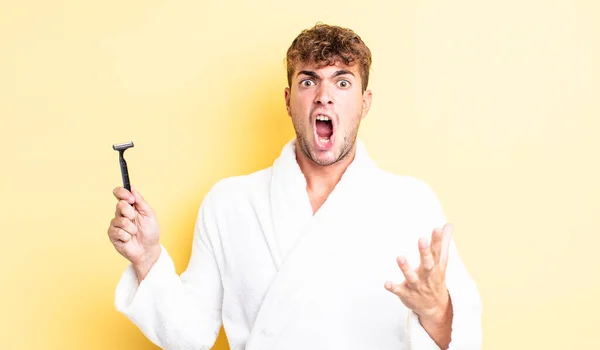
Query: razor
[121, 147]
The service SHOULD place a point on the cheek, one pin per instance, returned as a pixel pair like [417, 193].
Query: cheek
[300, 105]
[351, 108]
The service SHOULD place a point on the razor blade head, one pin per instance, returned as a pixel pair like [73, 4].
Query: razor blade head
[122, 146]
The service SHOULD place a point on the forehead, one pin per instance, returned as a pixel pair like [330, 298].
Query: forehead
[326, 70]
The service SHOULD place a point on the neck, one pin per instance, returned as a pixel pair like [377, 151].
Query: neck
[323, 178]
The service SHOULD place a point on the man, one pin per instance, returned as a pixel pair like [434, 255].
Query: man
[322, 250]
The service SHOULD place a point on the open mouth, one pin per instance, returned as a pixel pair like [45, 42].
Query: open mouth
[324, 131]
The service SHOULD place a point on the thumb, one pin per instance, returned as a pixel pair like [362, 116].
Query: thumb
[140, 204]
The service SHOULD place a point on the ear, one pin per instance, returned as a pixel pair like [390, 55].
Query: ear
[366, 102]
[287, 93]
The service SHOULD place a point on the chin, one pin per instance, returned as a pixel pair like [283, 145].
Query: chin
[324, 160]
[319, 152]
[325, 157]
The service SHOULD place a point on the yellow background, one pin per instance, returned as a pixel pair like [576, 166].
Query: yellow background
[496, 104]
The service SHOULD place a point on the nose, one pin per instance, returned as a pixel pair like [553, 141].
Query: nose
[324, 95]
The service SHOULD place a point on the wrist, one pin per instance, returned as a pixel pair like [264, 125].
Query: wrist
[438, 323]
[145, 263]
[441, 315]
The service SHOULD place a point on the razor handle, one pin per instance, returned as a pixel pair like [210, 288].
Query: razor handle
[124, 173]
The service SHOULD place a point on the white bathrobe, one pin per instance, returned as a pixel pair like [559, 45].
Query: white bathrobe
[278, 277]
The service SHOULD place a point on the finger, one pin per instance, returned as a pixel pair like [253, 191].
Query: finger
[121, 193]
[140, 204]
[125, 209]
[125, 224]
[446, 238]
[398, 289]
[409, 274]
[436, 244]
[426, 258]
[118, 235]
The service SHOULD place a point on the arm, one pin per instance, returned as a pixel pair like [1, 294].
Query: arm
[439, 325]
[461, 330]
[173, 311]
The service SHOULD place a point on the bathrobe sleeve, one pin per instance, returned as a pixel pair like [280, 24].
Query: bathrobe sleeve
[464, 295]
[178, 312]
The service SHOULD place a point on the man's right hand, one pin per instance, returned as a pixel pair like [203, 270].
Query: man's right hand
[134, 231]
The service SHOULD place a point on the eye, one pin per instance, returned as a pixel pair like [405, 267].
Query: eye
[307, 83]
[343, 84]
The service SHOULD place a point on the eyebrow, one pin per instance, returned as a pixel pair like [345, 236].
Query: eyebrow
[310, 73]
[314, 75]
[342, 72]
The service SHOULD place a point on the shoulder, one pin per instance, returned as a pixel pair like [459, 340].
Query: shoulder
[406, 186]
[239, 188]
[405, 199]
[409, 193]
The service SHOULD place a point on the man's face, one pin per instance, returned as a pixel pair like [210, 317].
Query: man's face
[326, 105]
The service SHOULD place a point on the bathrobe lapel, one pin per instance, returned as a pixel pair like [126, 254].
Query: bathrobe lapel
[320, 238]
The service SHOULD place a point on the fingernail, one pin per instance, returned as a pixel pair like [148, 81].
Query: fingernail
[388, 285]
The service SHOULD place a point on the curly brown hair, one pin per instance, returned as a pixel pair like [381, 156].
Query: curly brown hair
[325, 45]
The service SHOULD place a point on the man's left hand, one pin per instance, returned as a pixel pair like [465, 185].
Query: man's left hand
[424, 288]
